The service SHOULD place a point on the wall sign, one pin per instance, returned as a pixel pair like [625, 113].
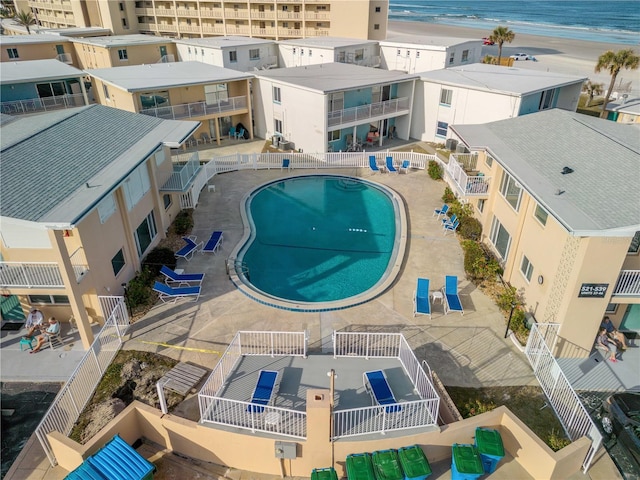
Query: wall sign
[593, 290]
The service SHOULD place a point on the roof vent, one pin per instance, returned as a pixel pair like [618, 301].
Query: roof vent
[566, 170]
[559, 192]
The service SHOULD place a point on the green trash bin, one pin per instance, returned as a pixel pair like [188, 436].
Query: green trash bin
[386, 465]
[465, 464]
[489, 443]
[324, 474]
[359, 467]
[414, 463]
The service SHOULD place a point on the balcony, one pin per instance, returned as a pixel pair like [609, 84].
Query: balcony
[215, 29]
[64, 58]
[317, 32]
[183, 174]
[189, 28]
[466, 184]
[147, 12]
[211, 12]
[289, 32]
[188, 13]
[364, 113]
[317, 16]
[289, 15]
[628, 284]
[165, 12]
[197, 109]
[258, 15]
[44, 104]
[166, 27]
[40, 274]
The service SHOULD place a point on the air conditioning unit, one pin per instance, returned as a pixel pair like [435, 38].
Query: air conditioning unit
[286, 145]
[451, 144]
[461, 148]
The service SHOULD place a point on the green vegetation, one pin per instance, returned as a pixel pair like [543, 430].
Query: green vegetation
[434, 170]
[25, 19]
[183, 222]
[158, 257]
[500, 35]
[614, 62]
[524, 401]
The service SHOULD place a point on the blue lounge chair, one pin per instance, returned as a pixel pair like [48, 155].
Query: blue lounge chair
[450, 227]
[441, 211]
[378, 386]
[404, 168]
[232, 132]
[286, 163]
[390, 166]
[421, 302]
[448, 221]
[171, 295]
[240, 134]
[189, 249]
[264, 390]
[181, 279]
[450, 293]
[214, 243]
[373, 165]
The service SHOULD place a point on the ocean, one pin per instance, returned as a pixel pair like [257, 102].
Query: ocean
[610, 21]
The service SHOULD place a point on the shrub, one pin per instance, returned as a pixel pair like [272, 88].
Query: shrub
[478, 265]
[156, 258]
[508, 296]
[462, 210]
[476, 407]
[557, 441]
[435, 170]
[139, 290]
[470, 228]
[183, 222]
[448, 196]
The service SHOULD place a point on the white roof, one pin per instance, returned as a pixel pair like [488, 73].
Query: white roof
[77, 31]
[327, 42]
[122, 40]
[494, 78]
[36, 70]
[223, 42]
[8, 40]
[627, 105]
[330, 77]
[426, 41]
[165, 75]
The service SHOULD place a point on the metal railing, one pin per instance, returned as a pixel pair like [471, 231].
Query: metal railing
[79, 263]
[561, 396]
[366, 345]
[397, 106]
[628, 284]
[64, 58]
[169, 58]
[182, 176]
[197, 109]
[469, 161]
[467, 185]
[30, 274]
[32, 105]
[76, 393]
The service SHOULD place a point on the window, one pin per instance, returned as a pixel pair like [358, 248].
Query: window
[136, 185]
[417, 53]
[488, 160]
[500, 238]
[166, 200]
[254, 54]
[202, 52]
[526, 267]
[378, 9]
[189, 50]
[216, 94]
[277, 126]
[53, 299]
[276, 95]
[294, 50]
[441, 129]
[124, 23]
[465, 55]
[334, 135]
[13, 53]
[611, 308]
[511, 190]
[145, 233]
[481, 205]
[310, 52]
[541, 214]
[301, 51]
[359, 54]
[121, 6]
[161, 156]
[452, 57]
[546, 101]
[233, 56]
[105, 90]
[398, 53]
[51, 89]
[117, 262]
[446, 96]
[376, 26]
[635, 244]
[122, 54]
[106, 208]
[336, 101]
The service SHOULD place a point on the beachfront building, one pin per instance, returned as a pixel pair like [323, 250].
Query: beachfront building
[481, 93]
[123, 50]
[624, 109]
[18, 48]
[424, 53]
[311, 51]
[563, 223]
[217, 97]
[82, 201]
[274, 19]
[235, 52]
[33, 86]
[332, 106]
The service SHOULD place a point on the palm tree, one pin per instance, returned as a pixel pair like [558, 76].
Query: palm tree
[25, 19]
[592, 89]
[501, 35]
[614, 62]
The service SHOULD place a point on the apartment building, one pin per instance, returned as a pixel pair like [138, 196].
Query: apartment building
[84, 210]
[557, 195]
[311, 51]
[123, 50]
[17, 48]
[237, 53]
[274, 19]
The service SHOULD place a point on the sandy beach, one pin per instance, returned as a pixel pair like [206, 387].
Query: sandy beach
[561, 55]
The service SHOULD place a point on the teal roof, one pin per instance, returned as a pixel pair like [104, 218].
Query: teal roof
[56, 167]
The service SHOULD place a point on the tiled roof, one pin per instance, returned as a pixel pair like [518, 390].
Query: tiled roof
[601, 195]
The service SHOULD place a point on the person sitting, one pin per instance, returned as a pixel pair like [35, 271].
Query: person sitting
[34, 322]
[614, 334]
[604, 342]
[52, 329]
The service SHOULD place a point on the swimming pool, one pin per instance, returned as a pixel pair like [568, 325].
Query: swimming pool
[319, 242]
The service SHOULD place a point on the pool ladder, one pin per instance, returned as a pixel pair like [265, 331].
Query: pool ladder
[238, 267]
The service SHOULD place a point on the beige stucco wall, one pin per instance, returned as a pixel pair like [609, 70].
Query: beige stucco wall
[356, 19]
[39, 51]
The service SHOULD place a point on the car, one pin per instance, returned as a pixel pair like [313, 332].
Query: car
[620, 417]
[487, 41]
[523, 56]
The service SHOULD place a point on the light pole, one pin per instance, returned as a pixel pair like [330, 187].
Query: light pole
[332, 383]
[513, 307]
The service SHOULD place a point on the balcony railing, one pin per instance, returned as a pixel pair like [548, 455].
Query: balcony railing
[258, 15]
[197, 109]
[211, 12]
[236, 13]
[317, 32]
[218, 29]
[468, 185]
[32, 105]
[182, 12]
[183, 27]
[469, 161]
[166, 27]
[183, 174]
[628, 284]
[40, 274]
[388, 108]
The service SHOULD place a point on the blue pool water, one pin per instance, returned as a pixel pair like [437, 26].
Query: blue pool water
[318, 238]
